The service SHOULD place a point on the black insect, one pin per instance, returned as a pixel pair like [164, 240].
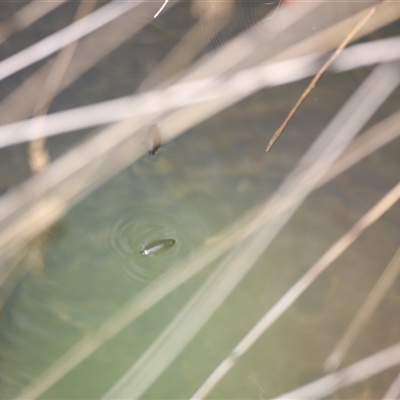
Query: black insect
[153, 140]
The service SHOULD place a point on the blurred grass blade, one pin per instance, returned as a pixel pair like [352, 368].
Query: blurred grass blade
[356, 109]
[386, 280]
[26, 16]
[64, 37]
[211, 295]
[357, 372]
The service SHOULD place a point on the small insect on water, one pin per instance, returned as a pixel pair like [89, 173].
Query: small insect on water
[157, 247]
[153, 140]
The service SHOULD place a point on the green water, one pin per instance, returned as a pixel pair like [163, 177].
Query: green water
[89, 264]
[190, 190]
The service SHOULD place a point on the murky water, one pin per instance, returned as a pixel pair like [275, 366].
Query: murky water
[90, 263]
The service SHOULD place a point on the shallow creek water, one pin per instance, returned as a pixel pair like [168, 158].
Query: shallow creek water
[90, 262]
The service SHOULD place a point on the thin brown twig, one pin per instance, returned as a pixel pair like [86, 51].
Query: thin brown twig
[319, 74]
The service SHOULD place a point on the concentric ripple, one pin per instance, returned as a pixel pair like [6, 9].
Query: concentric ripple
[133, 229]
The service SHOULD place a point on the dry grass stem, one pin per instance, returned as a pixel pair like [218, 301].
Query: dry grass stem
[319, 74]
[182, 95]
[118, 22]
[26, 16]
[38, 155]
[296, 290]
[276, 211]
[370, 304]
[348, 376]
[126, 107]
[393, 393]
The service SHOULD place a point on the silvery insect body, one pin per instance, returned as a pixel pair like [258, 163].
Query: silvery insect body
[157, 247]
